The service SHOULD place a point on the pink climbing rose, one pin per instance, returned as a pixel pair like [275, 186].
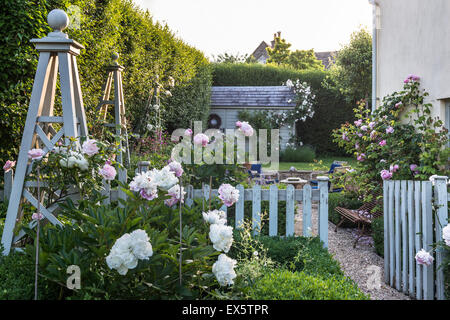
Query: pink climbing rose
[393, 168]
[411, 77]
[90, 147]
[382, 143]
[228, 194]
[424, 258]
[36, 154]
[358, 122]
[390, 130]
[175, 195]
[364, 128]
[37, 216]
[201, 139]
[246, 128]
[386, 175]
[372, 125]
[414, 167]
[238, 124]
[361, 157]
[108, 172]
[344, 137]
[188, 132]
[9, 165]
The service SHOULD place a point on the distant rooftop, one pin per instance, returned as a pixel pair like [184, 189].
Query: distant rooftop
[261, 96]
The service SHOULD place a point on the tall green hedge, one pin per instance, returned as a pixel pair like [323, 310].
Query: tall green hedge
[146, 49]
[331, 109]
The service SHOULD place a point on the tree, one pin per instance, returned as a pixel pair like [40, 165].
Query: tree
[351, 74]
[300, 59]
[304, 59]
[280, 52]
[231, 58]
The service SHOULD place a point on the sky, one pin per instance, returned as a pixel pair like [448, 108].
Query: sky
[239, 26]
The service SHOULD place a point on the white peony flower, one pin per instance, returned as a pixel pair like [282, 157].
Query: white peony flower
[215, 217]
[223, 269]
[164, 178]
[221, 236]
[446, 234]
[127, 250]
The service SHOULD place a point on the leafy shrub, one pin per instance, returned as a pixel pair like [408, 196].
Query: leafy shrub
[298, 154]
[340, 199]
[17, 279]
[378, 235]
[301, 254]
[287, 285]
[315, 131]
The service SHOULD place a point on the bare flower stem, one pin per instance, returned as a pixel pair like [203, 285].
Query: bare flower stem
[37, 234]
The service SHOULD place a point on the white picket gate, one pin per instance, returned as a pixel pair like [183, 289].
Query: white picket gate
[409, 226]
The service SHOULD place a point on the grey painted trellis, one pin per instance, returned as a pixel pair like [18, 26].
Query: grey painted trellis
[57, 54]
[409, 226]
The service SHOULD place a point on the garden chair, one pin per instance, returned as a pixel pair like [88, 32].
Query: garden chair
[315, 184]
[255, 171]
[362, 216]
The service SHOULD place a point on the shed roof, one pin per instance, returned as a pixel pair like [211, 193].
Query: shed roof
[266, 96]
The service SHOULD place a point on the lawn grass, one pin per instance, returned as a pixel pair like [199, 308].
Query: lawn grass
[325, 165]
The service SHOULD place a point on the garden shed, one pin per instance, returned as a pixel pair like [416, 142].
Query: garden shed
[227, 102]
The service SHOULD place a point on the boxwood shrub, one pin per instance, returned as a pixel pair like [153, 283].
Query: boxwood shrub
[287, 285]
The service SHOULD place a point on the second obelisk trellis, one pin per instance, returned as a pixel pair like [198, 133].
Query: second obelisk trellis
[57, 53]
[114, 80]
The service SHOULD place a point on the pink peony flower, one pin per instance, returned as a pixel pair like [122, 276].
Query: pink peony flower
[176, 168]
[188, 132]
[9, 165]
[358, 122]
[175, 195]
[382, 143]
[108, 172]
[89, 147]
[201, 138]
[238, 124]
[228, 194]
[390, 130]
[36, 154]
[413, 167]
[148, 196]
[385, 174]
[361, 157]
[446, 234]
[424, 258]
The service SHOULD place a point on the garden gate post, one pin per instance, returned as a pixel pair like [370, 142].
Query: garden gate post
[57, 53]
[440, 191]
[323, 209]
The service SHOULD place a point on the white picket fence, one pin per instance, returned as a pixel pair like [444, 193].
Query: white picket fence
[255, 195]
[409, 226]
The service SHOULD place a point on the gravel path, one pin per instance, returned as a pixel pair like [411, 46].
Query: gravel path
[358, 263]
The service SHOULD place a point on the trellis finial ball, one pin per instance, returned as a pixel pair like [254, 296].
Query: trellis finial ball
[58, 20]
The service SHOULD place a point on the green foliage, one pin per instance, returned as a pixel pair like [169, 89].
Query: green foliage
[231, 58]
[299, 59]
[378, 235]
[330, 111]
[304, 60]
[286, 285]
[301, 254]
[17, 279]
[298, 154]
[341, 199]
[91, 231]
[351, 74]
[147, 49]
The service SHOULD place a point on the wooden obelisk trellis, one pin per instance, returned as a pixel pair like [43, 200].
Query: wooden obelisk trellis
[57, 54]
[120, 122]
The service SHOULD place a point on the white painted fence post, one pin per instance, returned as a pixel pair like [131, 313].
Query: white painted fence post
[239, 215]
[273, 210]
[290, 210]
[440, 191]
[323, 210]
[386, 228]
[256, 209]
[427, 238]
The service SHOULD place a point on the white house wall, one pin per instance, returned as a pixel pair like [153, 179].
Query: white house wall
[415, 39]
